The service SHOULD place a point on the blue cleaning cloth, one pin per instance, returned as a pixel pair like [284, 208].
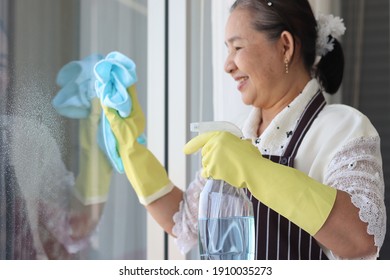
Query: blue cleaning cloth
[77, 84]
[114, 75]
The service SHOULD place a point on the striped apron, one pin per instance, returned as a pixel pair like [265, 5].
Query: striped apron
[276, 237]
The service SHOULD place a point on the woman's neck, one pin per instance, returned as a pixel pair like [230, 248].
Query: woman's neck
[268, 114]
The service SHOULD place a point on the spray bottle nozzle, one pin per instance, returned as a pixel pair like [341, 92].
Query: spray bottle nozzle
[202, 127]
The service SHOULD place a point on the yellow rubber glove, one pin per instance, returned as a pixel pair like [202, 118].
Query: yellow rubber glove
[146, 174]
[93, 181]
[286, 190]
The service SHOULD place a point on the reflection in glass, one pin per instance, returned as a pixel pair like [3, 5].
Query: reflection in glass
[60, 198]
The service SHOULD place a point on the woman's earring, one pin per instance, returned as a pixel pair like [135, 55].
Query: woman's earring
[286, 64]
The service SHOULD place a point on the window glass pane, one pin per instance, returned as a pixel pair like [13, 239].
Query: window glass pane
[60, 197]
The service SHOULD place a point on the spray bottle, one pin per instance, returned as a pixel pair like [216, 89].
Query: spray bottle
[226, 222]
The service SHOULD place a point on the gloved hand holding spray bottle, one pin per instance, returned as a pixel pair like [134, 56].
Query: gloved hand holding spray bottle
[226, 222]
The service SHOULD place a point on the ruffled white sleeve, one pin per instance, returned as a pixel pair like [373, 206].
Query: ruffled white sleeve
[357, 169]
[186, 219]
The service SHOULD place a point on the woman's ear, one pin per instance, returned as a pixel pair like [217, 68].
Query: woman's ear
[288, 46]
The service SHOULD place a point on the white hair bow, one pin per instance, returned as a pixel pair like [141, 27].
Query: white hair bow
[328, 25]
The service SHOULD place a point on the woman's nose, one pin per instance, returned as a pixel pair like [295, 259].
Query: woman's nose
[230, 66]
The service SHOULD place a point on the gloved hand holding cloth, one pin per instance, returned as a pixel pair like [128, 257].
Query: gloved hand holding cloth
[288, 191]
[146, 174]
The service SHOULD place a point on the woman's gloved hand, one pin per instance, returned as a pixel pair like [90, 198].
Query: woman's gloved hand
[130, 128]
[146, 174]
[286, 190]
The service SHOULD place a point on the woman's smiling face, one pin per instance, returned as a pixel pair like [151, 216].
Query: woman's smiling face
[254, 61]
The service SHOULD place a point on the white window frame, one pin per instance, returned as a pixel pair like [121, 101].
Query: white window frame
[178, 106]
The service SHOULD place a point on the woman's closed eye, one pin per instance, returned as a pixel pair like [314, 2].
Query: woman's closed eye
[232, 50]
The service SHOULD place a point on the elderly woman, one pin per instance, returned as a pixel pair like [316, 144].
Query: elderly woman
[313, 171]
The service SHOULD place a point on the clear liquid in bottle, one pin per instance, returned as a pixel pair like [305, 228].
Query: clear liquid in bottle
[226, 223]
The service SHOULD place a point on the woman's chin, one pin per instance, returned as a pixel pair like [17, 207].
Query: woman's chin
[246, 100]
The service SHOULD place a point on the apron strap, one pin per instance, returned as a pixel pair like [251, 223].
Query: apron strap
[316, 104]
